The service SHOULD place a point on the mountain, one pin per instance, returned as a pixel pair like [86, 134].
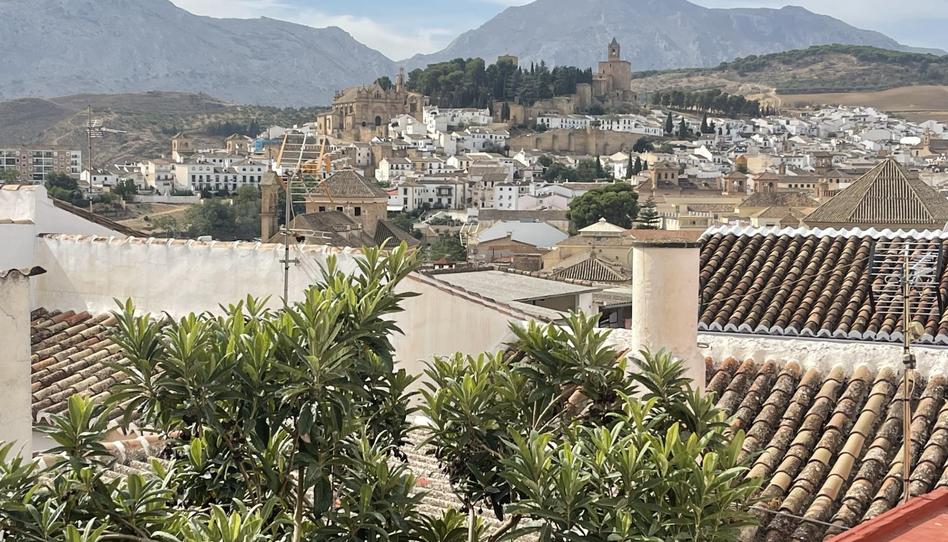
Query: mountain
[141, 124]
[58, 47]
[654, 34]
[818, 69]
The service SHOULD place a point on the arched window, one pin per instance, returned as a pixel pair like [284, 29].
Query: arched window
[378, 121]
[363, 124]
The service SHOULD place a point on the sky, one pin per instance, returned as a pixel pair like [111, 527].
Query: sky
[400, 29]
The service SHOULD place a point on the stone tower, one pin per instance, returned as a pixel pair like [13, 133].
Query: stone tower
[400, 80]
[269, 188]
[614, 50]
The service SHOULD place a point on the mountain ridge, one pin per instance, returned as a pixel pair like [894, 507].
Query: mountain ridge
[145, 45]
[654, 34]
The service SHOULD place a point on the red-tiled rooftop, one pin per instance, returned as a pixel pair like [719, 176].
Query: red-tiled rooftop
[826, 443]
[807, 283]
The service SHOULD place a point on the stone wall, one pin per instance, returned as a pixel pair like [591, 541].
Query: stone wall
[591, 142]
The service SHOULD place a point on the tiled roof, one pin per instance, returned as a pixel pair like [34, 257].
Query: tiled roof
[886, 195]
[98, 219]
[71, 354]
[778, 199]
[386, 230]
[804, 282]
[587, 267]
[349, 184]
[826, 444]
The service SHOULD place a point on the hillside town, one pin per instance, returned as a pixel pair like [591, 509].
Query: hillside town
[792, 261]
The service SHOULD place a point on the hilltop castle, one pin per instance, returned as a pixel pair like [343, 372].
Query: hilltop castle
[614, 77]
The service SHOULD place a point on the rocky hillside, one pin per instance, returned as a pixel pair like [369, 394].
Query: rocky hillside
[60, 47]
[654, 34]
[818, 69]
[148, 121]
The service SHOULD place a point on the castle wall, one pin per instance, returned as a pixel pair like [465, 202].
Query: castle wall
[600, 142]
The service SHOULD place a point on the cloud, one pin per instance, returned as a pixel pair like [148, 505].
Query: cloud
[395, 41]
[855, 12]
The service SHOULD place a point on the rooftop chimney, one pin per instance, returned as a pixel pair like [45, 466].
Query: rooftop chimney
[15, 399]
[665, 294]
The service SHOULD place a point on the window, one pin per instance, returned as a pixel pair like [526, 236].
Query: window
[339, 209]
[378, 121]
[322, 209]
[357, 211]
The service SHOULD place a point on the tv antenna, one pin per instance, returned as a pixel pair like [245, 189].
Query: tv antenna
[303, 182]
[905, 286]
[94, 130]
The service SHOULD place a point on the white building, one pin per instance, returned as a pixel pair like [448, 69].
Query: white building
[434, 193]
[630, 123]
[507, 195]
[480, 139]
[215, 178]
[99, 178]
[439, 120]
[564, 122]
[391, 169]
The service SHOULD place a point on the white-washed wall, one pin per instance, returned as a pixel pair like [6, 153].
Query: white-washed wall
[179, 277]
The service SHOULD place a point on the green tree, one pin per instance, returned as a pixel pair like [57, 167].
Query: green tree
[280, 426]
[616, 202]
[637, 167]
[648, 217]
[239, 219]
[285, 426]
[669, 124]
[587, 171]
[600, 172]
[565, 442]
[385, 82]
[125, 189]
[165, 224]
[8, 175]
[63, 187]
[448, 247]
[683, 131]
[643, 145]
[630, 168]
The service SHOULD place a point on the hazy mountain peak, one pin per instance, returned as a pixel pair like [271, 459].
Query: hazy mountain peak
[654, 34]
[139, 45]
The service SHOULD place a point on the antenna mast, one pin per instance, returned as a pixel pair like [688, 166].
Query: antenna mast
[904, 269]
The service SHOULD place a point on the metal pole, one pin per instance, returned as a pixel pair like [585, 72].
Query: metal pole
[286, 241]
[908, 364]
[91, 161]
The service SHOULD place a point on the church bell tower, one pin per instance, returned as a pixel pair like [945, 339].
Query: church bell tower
[614, 50]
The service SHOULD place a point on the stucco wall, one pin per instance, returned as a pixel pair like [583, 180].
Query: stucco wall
[820, 353]
[181, 277]
[665, 302]
[15, 416]
[27, 212]
[176, 277]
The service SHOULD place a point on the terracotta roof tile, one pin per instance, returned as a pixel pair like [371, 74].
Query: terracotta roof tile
[806, 283]
[827, 445]
[71, 354]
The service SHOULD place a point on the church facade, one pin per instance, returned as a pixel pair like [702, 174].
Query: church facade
[361, 113]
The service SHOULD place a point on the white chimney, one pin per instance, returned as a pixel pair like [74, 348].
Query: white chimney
[16, 418]
[665, 294]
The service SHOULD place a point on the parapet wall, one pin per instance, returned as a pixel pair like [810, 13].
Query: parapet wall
[179, 277]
